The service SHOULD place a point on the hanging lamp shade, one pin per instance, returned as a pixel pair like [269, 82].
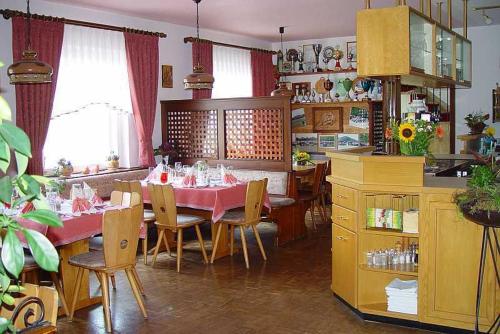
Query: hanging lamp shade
[282, 89]
[29, 70]
[198, 79]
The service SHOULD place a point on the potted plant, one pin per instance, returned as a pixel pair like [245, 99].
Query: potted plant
[19, 191]
[113, 160]
[475, 122]
[414, 137]
[301, 158]
[166, 149]
[481, 201]
[64, 168]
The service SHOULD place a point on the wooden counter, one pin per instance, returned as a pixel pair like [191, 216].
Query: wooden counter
[449, 245]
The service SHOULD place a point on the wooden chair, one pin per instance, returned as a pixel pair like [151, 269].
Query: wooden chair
[326, 189]
[120, 236]
[311, 198]
[149, 216]
[249, 217]
[164, 207]
[47, 295]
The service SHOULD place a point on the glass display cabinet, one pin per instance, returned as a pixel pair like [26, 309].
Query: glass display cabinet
[444, 53]
[463, 60]
[420, 44]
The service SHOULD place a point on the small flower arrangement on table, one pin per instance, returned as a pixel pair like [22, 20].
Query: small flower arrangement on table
[113, 161]
[64, 168]
[414, 137]
[301, 158]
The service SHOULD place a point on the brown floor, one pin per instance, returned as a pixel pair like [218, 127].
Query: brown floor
[290, 293]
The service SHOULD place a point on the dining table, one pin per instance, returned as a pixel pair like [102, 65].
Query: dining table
[210, 202]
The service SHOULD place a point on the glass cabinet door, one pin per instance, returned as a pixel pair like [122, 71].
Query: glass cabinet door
[467, 60]
[444, 53]
[459, 58]
[420, 44]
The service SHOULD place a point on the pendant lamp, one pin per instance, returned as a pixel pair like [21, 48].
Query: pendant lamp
[29, 70]
[198, 79]
[282, 89]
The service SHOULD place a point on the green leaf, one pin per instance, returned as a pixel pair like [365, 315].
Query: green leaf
[4, 282]
[4, 155]
[23, 200]
[5, 189]
[28, 185]
[42, 179]
[12, 253]
[22, 163]
[16, 138]
[45, 217]
[16, 288]
[41, 204]
[8, 299]
[43, 251]
[5, 112]
[4, 324]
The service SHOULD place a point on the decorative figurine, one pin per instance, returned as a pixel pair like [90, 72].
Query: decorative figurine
[337, 55]
[328, 86]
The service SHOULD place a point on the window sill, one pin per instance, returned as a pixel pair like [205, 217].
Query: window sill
[101, 172]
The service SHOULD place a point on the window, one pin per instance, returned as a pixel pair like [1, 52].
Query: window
[232, 70]
[92, 113]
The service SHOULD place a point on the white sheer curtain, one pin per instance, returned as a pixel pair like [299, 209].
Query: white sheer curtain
[92, 112]
[232, 71]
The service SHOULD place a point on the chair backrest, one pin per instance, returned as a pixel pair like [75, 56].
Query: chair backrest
[120, 235]
[48, 296]
[319, 175]
[163, 202]
[128, 186]
[254, 200]
[126, 199]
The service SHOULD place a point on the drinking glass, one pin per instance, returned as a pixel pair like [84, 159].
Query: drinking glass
[76, 191]
[178, 166]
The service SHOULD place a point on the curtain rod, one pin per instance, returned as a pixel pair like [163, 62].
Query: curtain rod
[9, 13]
[194, 39]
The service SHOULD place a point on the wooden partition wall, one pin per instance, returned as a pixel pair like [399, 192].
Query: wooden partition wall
[249, 133]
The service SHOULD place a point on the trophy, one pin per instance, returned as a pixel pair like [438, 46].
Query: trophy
[337, 55]
[291, 56]
[317, 50]
[300, 58]
[347, 84]
[367, 84]
[327, 55]
[328, 86]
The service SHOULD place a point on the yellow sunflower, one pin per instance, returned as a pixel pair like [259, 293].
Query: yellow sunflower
[407, 132]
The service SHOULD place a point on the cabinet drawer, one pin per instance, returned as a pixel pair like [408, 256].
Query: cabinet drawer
[344, 264]
[344, 217]
[344, 196]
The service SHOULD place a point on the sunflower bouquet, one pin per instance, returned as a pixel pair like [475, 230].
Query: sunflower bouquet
[301, 158]
[414, 137]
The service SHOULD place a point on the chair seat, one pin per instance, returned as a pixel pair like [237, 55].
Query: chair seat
[91, 260]
[307, 196]
[277, 202]
[234, 217]
[149, 216]
[186, 220]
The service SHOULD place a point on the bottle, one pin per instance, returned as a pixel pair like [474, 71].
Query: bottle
[164, 173]
[416, 255]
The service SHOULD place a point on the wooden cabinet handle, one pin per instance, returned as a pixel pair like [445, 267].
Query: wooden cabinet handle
[341, 218]
[342, 238]
[341, 196]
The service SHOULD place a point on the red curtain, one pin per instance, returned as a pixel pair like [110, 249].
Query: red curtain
[262, 73]
[205, 51]
[34, 101]
[143, 68]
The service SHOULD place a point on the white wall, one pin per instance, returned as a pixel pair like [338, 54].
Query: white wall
[173, 51]
[485, 74]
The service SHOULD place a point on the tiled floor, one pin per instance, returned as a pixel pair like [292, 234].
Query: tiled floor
[290, 293]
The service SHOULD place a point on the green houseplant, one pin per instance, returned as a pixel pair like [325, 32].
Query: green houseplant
[113, 160]
[475, 122]
[17, 190]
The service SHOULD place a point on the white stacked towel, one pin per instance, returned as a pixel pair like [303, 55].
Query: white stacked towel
[402, 296]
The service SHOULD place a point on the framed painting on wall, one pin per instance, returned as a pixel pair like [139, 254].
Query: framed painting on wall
[328, 119]
[327, 142]
[307, 142]
[166, 76]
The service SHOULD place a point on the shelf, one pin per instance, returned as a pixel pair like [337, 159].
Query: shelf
[390, 233]
[315, 104]
[381, 309]
[289, 74]
[398, 269]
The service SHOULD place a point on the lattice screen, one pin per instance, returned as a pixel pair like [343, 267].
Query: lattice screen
[255, 134]
[193, 132]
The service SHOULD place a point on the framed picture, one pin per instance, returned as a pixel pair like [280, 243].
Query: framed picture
[166, 76]
[328, 119]
[364, 139]
[327, 142]
[298, 118]
[358, 118]
[347, 140]
[307, 142]
[352, 52]
[309, 56]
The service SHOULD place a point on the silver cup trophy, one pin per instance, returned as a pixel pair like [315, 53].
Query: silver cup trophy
[300, 58]
[317, 51]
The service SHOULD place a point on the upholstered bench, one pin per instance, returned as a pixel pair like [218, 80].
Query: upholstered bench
[103, 183]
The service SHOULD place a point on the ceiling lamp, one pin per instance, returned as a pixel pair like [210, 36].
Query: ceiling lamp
[282, 89]
[29, 70]
[487, 19]
[198, 79]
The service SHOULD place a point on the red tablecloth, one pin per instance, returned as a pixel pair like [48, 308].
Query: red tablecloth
[74, 228]
[215, 199]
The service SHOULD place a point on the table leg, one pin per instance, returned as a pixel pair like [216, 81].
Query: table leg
[68, 273]
[223, 248]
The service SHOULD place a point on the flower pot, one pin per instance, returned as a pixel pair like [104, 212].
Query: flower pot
[481, 217]
[477, 129]
[65, 171]
[113, 164]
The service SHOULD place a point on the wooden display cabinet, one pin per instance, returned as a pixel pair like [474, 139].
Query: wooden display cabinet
[400, 41]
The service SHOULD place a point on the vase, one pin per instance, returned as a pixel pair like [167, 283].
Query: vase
[113, 164]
